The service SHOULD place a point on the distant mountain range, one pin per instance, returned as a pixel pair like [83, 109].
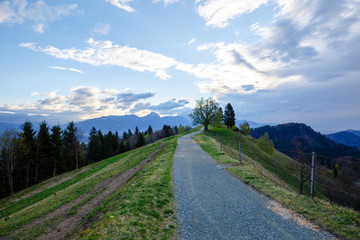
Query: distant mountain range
[349, 138]
[253, 124]
[126, 122]
[4, 126]
[109, 123]
[291, 136]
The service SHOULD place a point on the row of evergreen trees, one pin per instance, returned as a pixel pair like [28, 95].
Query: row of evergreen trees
[28, 157]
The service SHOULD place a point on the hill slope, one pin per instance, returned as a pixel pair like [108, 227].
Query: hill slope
[96, 202]
[293, 136]
[133, 188]
[345, 137]
[274, 176]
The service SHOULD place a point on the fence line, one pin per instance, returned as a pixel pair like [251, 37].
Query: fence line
[235, 154]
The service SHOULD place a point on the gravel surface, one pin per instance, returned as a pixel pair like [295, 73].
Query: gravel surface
[212, 204]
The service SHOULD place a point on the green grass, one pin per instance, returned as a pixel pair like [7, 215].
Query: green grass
[44, 202]
[341, 221]
[21, 204]
[143, 209]
[278, 164]
[37, 201]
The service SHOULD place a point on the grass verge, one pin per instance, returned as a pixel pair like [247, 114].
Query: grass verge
[341, 221]
[18, 213]
[44, 202]
[143, 209]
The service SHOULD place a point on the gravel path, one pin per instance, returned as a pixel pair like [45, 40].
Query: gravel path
[214, 205]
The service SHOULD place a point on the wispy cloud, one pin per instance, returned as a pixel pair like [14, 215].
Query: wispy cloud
[218, 13]
[122, 4]
[19, 11]
[40, 28]
[66, 69]
[166, 2]
[106, 53]
[102, 28]
[191, 41]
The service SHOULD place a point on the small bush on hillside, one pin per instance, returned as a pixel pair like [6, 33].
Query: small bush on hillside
[245, 128]
[233, 128]
[266, 144]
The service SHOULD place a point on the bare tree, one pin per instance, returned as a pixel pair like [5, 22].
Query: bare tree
[9, 145]
[303, 167]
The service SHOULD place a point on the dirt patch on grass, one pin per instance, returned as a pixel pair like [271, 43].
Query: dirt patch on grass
[289, 214]
[46, 185]
[52, 184]
[100, 192]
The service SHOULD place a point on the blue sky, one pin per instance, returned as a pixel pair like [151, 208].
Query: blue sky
[275, 61]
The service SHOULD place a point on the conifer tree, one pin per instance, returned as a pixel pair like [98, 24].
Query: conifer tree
[92, 146]
[43, 149]
[150, 130]
[56, 146]
[28, 148]
[229, 116]
[72, 143]
[125, 136]
[140, 140]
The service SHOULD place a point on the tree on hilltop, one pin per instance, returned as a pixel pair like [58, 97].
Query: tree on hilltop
[205, 112]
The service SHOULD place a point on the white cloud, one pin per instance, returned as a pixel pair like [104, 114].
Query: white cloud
[29, 45]
[106, 53]
[18, 11]
[66, 69]
[122, 4]
[191, 41]
[320, 46]
[75, 70]
[90, 102]
[171, 107]
[308, 41]
[217, 13]
[102, 28]
[166, 2]
[6, 12]
[39, 28]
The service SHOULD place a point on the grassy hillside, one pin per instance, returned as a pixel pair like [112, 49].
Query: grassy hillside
[278, 164]
[100, 194]
[270, 175]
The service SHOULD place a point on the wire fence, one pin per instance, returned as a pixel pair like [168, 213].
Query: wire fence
[335, 188]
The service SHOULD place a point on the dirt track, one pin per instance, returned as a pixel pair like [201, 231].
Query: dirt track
[100, 192]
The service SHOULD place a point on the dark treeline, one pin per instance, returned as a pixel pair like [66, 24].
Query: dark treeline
[28, 157]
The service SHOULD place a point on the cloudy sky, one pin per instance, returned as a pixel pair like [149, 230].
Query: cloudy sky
[275, 61]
